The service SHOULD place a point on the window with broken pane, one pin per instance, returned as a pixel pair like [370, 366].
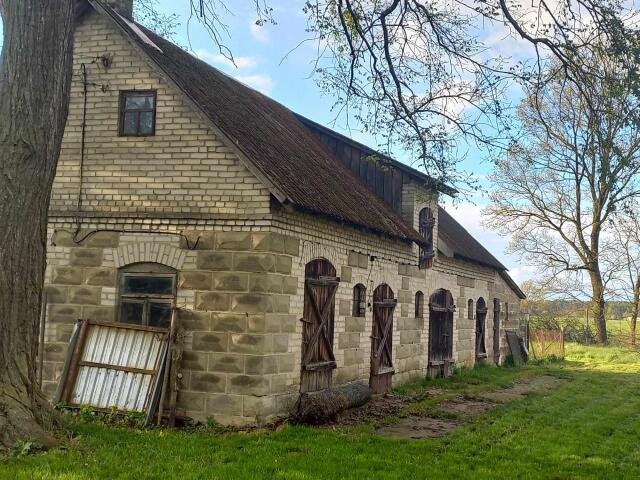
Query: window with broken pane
[147, 294]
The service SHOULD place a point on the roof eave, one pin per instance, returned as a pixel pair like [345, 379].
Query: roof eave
[512, 284]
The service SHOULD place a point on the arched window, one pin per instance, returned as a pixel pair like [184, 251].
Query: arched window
[426, 223]
[481, 320]
[419, 304]
[146, 294]
[470, 309]
[359, 300]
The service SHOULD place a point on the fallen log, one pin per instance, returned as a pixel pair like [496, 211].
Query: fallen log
[314, 408]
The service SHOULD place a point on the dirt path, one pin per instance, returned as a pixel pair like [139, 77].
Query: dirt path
[454, 412]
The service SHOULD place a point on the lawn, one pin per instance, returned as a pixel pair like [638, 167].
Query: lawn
[588, 427]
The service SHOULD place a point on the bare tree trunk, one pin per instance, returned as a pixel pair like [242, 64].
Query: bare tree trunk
[634, 310]
[35, 75]
[598, 306]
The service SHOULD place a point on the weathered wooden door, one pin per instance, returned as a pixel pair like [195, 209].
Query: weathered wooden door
[496, 331]
[426, 222]
[481, 322]
[380, 379]
[318, 361]
[441, 309]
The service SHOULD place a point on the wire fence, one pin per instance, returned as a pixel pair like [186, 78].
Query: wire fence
[544, 344]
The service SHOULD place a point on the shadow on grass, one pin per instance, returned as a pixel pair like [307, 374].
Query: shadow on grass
[586, 428]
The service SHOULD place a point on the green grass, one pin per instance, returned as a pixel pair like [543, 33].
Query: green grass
[587, 428]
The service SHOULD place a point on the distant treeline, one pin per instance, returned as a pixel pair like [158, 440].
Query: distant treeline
[615, 310]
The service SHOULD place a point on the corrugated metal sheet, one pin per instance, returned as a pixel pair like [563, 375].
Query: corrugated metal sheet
[118, 367]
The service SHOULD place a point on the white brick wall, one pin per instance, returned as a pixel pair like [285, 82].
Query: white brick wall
[183, 169]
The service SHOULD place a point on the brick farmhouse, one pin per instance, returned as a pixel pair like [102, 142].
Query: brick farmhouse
[297, 258]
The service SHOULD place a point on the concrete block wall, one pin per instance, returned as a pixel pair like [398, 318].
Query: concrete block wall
[241, 295]
[475, 282]
[370, 260]
[233, 296]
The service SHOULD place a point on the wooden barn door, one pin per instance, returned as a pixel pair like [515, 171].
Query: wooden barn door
[496, 331]
[380, 379]
[318, 361]
[440, 357]
[481, 322]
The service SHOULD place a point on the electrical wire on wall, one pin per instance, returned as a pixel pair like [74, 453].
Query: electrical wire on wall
[104, 61]
[190, 243]
[85, 89]
[311, 250]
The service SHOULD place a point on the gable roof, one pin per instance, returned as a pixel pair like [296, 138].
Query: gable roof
[465, 247]
[296, 167]
[279, 148]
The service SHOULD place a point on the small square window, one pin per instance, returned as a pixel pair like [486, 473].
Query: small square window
[137, 113]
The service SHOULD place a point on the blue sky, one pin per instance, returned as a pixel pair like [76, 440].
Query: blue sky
[260, 58]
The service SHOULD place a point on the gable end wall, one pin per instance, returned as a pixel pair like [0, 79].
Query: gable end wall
[183, 169]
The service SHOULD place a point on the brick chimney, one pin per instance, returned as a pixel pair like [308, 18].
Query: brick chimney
[123, 7]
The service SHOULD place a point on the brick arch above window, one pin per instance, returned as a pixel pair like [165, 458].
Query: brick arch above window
[149, 252]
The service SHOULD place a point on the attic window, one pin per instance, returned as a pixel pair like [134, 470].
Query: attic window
[426, 223]
[137, 113]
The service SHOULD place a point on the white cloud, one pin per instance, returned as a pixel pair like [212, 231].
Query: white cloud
[241, 71]
[522, 273]
[502, 42]
[261, 82]
[219, 59]
[259, 33]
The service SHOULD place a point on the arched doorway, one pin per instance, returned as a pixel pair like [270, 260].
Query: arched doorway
[384, 303]
[481, 328]
[317, 359]
[441, 309]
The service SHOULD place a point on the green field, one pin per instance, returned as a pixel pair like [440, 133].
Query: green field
[587, 427]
